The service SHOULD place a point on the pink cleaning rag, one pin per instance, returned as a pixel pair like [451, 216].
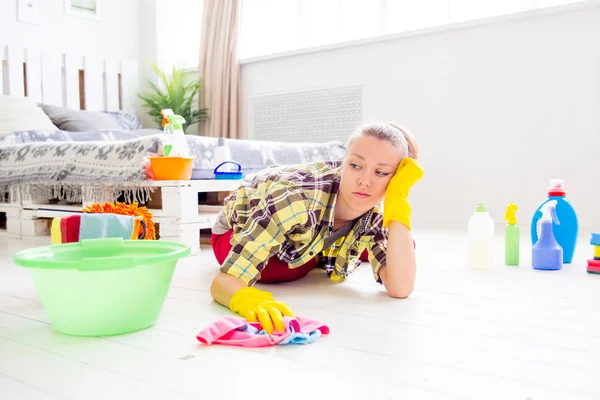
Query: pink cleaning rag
[237, 331]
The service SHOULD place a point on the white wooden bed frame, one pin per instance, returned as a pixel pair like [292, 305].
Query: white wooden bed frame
[77, 82]
[96, 84]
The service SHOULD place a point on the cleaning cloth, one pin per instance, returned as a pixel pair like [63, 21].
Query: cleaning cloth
[97, 226]
[237, 331]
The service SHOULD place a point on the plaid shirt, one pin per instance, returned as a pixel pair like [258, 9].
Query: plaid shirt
[288, 212]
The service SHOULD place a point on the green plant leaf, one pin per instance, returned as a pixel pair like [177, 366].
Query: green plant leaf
[179, 92]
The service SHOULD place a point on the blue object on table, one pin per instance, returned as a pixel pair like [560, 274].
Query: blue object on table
[227, 175]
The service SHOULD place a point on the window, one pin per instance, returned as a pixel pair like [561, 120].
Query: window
[360, 19]
[409, 15]
[178, 32]
[268, 26]
[464, 10]
[274, 26]
[319, 22]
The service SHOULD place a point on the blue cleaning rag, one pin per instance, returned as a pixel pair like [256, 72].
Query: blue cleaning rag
[301, 338]
[99, 226]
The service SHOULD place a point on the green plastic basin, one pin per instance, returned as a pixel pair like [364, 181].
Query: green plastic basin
[102, 287]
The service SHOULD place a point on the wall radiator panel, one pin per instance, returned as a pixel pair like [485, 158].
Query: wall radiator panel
[308, 116]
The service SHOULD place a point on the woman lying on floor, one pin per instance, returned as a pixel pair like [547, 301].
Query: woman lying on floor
[290, 220]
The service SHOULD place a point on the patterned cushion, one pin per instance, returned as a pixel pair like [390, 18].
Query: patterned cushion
[127, 120]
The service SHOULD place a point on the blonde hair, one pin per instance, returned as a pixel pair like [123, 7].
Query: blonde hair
[390, 132]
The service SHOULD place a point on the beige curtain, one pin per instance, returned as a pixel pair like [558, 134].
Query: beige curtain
[219, 70]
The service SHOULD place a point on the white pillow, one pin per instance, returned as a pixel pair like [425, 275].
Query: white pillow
[22, 114]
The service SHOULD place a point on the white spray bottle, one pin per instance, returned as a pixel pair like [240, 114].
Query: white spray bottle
[167, 137]
[179, 148]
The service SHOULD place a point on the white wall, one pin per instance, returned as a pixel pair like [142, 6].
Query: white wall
[498, 108]
[164, 32]
[115, 35]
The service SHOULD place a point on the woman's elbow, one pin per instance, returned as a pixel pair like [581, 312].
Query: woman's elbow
[399, 288]
[399, 293]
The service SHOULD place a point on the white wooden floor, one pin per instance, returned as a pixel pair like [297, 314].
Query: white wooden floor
[506, 333]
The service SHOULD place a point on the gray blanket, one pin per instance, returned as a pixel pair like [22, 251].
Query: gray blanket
[76, 170]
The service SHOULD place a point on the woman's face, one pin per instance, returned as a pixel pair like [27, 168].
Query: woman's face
[369, 165]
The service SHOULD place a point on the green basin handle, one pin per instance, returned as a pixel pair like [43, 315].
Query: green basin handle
[93, 252]
[93, 246]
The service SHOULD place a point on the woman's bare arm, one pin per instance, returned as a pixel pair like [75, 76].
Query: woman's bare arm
[224, 286]
[399, 273]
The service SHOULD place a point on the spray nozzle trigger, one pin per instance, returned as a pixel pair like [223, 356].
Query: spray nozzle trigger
[510, 216]
[554, 216]
[175, 121]
[165, 113]
[549, 212]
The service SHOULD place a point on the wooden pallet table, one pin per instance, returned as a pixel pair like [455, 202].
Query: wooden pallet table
[10, 220]
[174, 206]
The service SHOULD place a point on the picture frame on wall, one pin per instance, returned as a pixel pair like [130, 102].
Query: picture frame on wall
[89, 9]
[28, 11]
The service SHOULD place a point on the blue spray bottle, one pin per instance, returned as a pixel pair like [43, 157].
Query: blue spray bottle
[565, 233]
[546, 253]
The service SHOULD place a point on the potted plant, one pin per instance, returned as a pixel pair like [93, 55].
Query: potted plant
[178, 92]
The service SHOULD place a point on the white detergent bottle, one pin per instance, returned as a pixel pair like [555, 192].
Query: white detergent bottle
[222, 154]
[481, 239]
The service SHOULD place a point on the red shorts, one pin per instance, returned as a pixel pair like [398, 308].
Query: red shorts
[275, 270]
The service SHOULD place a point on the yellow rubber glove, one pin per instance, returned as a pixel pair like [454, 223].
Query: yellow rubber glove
[259, 306]
[396, 206]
